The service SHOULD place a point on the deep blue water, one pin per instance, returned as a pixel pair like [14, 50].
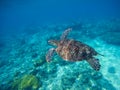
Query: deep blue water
[27, 25]
[17, 14]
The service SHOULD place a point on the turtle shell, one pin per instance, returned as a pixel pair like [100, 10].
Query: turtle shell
[73, 50]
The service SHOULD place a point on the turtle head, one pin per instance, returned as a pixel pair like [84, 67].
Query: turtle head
[53, 42]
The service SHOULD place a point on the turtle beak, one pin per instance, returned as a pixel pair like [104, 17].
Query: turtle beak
[52, 42]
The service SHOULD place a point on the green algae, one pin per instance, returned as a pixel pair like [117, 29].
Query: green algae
[27, 82]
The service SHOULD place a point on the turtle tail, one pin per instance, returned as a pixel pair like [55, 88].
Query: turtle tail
[94, 63]
[100, 54]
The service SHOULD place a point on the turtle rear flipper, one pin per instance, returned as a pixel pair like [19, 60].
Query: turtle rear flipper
[50, 54]
[94, 63]
[65, 34]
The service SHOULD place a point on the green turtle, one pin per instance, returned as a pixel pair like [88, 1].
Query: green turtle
[72, 50]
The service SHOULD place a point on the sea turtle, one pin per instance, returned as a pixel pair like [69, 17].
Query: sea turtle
[72, 50]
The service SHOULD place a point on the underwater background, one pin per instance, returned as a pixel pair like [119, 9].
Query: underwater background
[27, 25]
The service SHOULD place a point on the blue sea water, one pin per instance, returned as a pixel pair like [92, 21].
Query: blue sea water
[27, 25]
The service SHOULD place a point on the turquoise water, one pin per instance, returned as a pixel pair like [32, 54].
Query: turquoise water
[25, 28]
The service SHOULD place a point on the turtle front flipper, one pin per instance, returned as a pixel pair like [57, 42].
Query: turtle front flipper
[65, 33]
[94, 63]
[50, 54]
